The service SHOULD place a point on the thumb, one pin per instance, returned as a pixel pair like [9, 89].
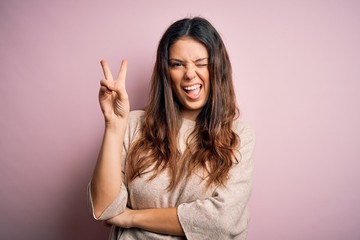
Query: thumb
[109, 85]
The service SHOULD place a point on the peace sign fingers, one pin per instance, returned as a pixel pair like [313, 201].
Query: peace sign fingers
[114, 100]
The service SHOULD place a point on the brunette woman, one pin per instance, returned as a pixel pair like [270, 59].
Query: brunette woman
[180, 169]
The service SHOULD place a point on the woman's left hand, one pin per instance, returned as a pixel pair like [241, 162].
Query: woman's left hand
[123, 220]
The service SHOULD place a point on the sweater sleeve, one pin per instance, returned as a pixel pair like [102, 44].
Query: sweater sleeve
[115, 208]
[119, 204]
[224, 215]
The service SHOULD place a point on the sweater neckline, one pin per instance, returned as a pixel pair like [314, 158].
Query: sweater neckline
[188, 122]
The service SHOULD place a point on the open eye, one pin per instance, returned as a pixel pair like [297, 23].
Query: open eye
[176, 64]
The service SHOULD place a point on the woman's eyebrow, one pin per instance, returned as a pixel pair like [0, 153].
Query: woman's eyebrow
[175, 59]
[197, 60]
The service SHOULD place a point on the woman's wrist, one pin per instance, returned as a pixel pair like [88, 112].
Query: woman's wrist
[134, 218]
[116, 124]
[130, 218]
[159, 220]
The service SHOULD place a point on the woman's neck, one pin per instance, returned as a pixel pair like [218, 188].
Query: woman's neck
[190, 114]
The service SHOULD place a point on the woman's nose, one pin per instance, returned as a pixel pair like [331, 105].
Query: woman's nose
[190, 73]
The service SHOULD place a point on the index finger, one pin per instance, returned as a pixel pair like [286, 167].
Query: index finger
[106, 70]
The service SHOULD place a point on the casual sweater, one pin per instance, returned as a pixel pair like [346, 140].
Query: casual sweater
[215, 213]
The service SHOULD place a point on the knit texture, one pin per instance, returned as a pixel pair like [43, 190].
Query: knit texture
[214, 213]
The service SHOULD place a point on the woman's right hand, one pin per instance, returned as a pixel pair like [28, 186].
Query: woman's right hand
[113, 98]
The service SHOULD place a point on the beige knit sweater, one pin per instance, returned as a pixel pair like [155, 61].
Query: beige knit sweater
[217, 213]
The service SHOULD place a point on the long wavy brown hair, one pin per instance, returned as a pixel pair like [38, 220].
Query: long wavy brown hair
[212, 144]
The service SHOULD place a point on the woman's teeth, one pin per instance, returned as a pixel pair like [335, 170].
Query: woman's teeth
[191, 88]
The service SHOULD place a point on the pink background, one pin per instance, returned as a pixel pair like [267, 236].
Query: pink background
[296, 69]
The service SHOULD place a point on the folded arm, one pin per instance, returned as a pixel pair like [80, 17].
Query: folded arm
[159, 220]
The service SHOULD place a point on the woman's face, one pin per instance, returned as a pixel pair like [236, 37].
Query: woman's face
[188, 67]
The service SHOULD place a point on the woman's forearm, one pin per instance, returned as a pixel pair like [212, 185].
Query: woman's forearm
[106, 181]
[159, 220]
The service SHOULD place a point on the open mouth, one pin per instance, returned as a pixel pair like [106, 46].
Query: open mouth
[193, 91]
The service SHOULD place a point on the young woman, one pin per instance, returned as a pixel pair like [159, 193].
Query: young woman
[180, 169]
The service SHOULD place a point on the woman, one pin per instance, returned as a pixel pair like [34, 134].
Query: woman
[182, 168]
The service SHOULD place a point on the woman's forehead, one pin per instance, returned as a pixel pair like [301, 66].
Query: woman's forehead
[188, 49]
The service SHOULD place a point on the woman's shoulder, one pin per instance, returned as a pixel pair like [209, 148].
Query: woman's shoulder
[247, 143]
[244, 130]
[134, 120]
[135, 115]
